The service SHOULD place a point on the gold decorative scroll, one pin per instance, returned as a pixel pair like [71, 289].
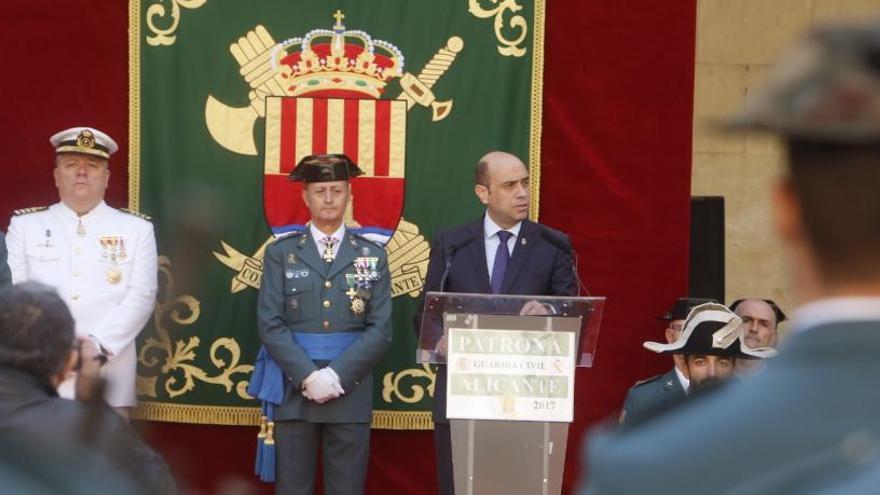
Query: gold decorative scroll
[167, 36]
[170, 364]
[504, 10]
[393, 385]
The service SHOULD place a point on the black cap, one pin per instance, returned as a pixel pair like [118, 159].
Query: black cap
[780, 316]
[325, 168]
[682, 306]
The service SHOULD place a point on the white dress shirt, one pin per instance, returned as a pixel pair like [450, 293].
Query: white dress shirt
[318, 236]
[490, 230]
[685, 382]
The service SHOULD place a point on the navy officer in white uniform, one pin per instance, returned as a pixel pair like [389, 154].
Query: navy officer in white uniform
[102, 260]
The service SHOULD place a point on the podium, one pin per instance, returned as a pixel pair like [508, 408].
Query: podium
[510, 364]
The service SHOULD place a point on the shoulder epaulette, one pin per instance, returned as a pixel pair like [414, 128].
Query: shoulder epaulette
[362, 237]
[137, 214]
[287, 235]
[25, 211]
[647, 380]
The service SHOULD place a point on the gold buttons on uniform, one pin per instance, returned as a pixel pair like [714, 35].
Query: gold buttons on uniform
[328, 284]
[75, 297]
[326, 303]
[76, 273]
[326, 324]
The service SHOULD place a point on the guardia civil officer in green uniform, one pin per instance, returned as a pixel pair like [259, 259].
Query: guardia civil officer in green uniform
[660, 393]
[324, 318]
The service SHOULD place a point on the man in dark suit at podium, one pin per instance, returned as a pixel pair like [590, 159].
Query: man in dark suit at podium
[501, 253]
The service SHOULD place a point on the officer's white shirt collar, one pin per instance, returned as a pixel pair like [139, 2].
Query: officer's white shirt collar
[491, 240]
[834, 310]
[337, 235]
[69, 215]
[685, 382]
[490, 228]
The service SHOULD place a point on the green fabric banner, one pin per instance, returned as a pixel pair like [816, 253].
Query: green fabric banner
[227, 96]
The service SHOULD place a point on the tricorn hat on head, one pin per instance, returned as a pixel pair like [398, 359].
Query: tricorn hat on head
[325, 168]
[711, 329]
[682, 306]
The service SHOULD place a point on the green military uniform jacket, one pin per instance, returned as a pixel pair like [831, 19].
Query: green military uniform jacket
[300, 292]
[652, 396]
[808, 423]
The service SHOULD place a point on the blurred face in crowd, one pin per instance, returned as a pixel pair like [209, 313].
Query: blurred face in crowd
[701, 368]
[327, 202]
[759, 323]
[504, 189]
[81, 180]
[673, 332]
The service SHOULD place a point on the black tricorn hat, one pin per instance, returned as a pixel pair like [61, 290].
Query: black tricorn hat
[711, 330]
[325, 168]
[682, 306]
[780, 316]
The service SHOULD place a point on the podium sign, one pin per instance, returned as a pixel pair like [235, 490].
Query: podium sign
[519, 375]
[509, 380]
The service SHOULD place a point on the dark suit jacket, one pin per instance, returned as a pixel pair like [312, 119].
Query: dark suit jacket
[304, 303]
[32, 411]
[811, 417]
[652, 396]
[537, 267]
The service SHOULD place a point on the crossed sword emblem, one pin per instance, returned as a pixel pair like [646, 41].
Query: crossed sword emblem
[233, 127]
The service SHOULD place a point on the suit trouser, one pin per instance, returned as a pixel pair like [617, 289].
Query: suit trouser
[443, 449]
[345, 452]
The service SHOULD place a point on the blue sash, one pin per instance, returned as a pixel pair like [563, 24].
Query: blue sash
[267, 385]
[325, 346]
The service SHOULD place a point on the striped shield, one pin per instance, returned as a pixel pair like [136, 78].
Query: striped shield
[371, 132]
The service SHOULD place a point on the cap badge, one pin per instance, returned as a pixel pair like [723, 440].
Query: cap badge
[85, 139]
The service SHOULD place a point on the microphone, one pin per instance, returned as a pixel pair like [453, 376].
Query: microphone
[561, 242]
[557, 239]
[451, 250]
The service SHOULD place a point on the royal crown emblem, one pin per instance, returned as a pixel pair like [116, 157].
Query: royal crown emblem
[337, 62]
[324, 92]
[323, 63]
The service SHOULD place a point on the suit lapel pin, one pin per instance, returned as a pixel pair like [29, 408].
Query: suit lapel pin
[302, 240]
[291, 259]
[365, 251]
[523, 241]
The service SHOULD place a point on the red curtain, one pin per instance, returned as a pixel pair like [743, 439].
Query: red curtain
[618, 97]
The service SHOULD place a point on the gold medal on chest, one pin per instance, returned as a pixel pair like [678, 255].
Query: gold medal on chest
[357, 305]
[114, 275]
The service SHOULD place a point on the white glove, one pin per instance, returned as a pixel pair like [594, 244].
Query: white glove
[337, 385]
[319, 387]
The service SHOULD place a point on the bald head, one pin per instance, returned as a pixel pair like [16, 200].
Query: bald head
[502, 184]
[494, 159]
[759, 323]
